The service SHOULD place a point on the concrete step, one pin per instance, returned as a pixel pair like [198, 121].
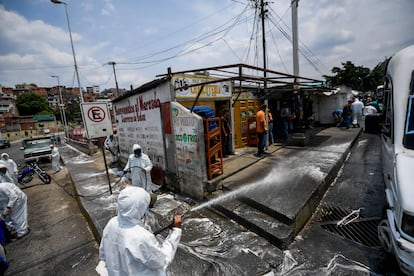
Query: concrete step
[267, 226]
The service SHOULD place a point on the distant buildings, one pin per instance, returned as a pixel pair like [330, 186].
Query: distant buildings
[23, 126]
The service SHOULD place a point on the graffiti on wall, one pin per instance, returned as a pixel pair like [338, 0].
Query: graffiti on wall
[187, 127]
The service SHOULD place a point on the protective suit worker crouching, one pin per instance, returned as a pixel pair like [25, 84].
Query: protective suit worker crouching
[12, 169]
[13, 202]
[55, 158]
[140, 167]
[127, 247]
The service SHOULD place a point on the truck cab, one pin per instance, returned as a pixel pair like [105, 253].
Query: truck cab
[396, 230]
[37, 149]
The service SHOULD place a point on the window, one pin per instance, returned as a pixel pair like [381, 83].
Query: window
[408, 140]
[388, 111]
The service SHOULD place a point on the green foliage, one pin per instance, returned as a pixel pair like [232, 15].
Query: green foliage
[357, 77]
[32, 104]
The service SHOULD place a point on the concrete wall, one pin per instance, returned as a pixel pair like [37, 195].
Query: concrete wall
[169, 133]
[190, 150]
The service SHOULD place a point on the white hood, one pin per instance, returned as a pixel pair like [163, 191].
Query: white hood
[133, 203]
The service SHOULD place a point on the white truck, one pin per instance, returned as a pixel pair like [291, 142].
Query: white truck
[396, 230]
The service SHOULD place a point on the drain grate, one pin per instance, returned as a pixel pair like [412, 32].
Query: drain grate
[359, 229]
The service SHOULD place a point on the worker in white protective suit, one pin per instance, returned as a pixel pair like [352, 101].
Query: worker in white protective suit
[4, 175]
[111, 144]
[127, 247]
[140, 166]
[13, 202]
[12, 169]
[55, 158]
[356, 109]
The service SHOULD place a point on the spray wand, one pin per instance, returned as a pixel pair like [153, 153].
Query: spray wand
[170, 225]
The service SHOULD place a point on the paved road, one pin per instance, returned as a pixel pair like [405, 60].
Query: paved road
[324, 249]
[60, 241]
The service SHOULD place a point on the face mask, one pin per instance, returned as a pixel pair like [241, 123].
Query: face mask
[137, 153]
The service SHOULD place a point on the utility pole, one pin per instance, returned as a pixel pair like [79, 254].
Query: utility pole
[116, 81]
[263, 14]
[295, 39]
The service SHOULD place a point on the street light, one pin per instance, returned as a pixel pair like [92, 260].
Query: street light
[71, 43]
[62, 108]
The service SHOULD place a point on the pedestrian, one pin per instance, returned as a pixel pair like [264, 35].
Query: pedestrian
[13, 203]
[356, 110]
[140, 166]
[286, 116]
[127, 247]
[261, 129]
[55, 158]
[270, 126]
[111, 144]
[337, 115]
[12, 169]
[58, 139]
[346, 113]
[225, 131]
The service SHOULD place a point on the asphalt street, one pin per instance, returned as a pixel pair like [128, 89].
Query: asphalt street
[60, 241]
[322, 247]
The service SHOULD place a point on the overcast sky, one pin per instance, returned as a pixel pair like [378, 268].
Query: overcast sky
[144, 38]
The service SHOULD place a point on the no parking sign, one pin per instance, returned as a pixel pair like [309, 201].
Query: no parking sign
[97, 119]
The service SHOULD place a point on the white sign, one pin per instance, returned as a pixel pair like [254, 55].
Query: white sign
[97, 119]
[213, 90]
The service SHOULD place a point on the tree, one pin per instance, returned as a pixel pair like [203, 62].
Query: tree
[32, 104]
[357, 77]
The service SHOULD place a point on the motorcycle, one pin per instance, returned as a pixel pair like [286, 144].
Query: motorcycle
[25, 175]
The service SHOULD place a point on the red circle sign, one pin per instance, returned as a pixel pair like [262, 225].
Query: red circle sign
[96, 114]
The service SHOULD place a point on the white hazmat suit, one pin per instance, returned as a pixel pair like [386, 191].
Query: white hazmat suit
[356, 108]
[127, 247]
[13, 198]
[12, 169]
[111, 143]
[140, 167]
[55, 159]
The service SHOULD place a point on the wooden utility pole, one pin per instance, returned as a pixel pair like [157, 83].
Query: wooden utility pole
[116, 81]
[263, 14]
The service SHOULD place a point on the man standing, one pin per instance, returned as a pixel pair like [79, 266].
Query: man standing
[127, 247]
[356, 109]
[346, 113]
[225, 131]
[270, 127]
[55, 158]
[111, 144]
[286, 115]
[140, 166]
[261, 129]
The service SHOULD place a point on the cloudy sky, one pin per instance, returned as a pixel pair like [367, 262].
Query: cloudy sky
[144, 38]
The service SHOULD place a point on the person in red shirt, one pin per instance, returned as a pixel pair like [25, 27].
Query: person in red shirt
[261, 129]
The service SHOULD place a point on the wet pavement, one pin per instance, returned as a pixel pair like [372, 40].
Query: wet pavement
[244, 227]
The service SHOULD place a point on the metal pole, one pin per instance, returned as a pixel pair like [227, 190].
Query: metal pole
[295, 50]
[62, 108]
[73, 48]
[263, 13]
[74, 55]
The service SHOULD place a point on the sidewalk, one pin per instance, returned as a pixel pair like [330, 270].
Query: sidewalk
[285, 186]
